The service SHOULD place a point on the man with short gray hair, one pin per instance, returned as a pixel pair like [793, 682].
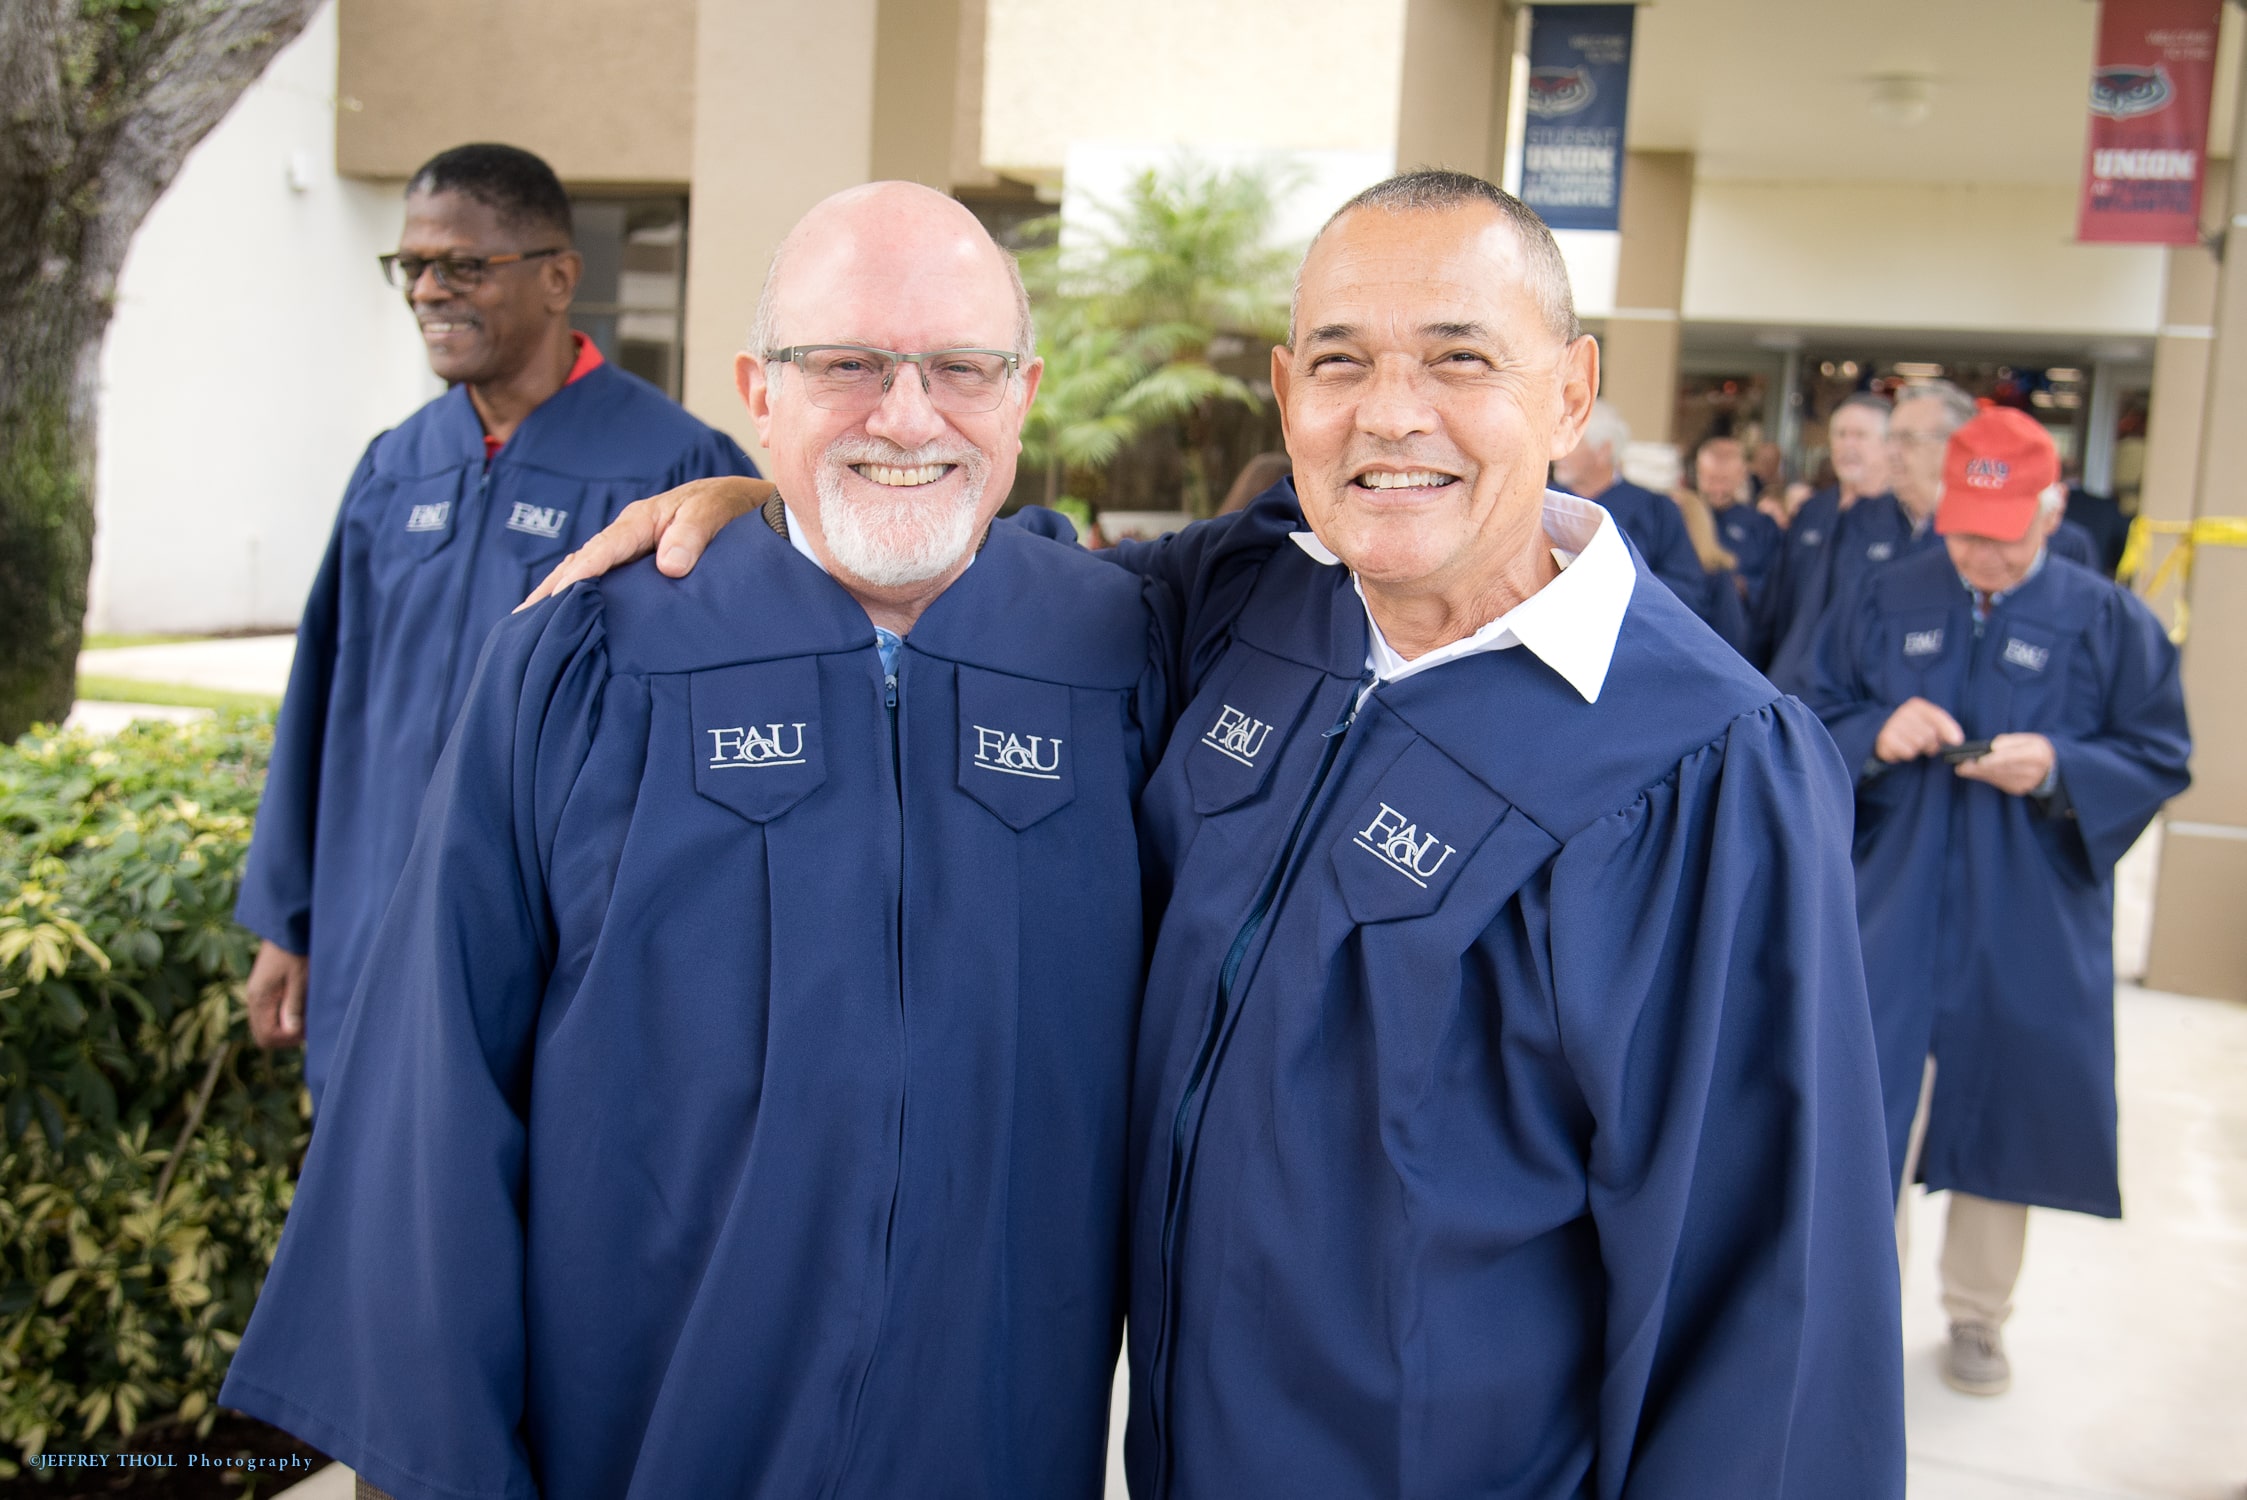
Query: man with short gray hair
[1504, 1120]
[2014, 721]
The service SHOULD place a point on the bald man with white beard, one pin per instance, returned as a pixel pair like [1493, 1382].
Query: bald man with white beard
[743, 1113]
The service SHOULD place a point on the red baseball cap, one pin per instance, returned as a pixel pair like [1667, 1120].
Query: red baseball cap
[1994, 471]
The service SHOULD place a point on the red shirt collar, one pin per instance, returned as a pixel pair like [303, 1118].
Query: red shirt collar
[588, 360]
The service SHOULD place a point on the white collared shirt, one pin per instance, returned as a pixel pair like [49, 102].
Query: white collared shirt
[1570, 624]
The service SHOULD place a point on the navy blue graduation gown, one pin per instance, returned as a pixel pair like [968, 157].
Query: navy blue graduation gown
[1989, 919]
[1506, 1119]
[2075, 543]
[430, 547]
[1755, 539]
[1870, 534]
[1800, 572]
[735, 1100]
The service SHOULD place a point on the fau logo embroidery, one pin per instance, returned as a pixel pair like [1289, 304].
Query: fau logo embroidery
[747, 748]
[1987, 473]
[1397, 842]
[2021, 654]
[1013, 754]
[1811, 537]
[430, 517]
[537, 520]
[1880, 551]
[1922, 642]
[1237, 736]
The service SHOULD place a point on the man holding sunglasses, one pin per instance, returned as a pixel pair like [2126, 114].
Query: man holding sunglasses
[447, 521]
[736, 1100]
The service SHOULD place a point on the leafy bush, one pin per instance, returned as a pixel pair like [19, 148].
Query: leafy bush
[148, 1148]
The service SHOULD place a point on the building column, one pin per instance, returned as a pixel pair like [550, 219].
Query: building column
[792, 103]
[2199, 943]
[1453, 103]
[1638, 352]
[2179, 397]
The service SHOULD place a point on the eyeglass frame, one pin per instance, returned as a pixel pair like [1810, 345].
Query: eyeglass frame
[393, 262]
[793, 354]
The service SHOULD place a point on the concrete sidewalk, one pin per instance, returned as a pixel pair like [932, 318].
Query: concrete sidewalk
[240, 664]
[99, 716]
[2129, 1337]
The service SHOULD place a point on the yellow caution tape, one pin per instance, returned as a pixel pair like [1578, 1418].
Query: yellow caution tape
[2176, 568]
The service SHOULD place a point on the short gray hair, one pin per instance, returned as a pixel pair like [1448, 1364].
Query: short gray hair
[1607, 430]
[1435, 189]
[1957, 405]
[763, 336]
[1861, 401]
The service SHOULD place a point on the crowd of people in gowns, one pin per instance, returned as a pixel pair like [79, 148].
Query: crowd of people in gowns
[1945, 617]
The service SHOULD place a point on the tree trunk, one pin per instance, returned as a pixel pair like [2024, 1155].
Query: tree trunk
[100, 102]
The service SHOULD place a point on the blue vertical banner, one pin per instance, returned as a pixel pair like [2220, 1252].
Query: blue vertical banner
[1579, 83]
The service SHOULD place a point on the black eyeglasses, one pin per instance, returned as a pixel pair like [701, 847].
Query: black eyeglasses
[853, 377]
[455, 273]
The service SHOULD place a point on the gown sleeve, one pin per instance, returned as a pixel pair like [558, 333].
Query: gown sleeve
[2074, 541]
[1792, 572]
[1721, 606]
[275, 900]
[1836, 688]
[390, 1332]
[2116, 779]
[1670, 553]
[1711, 1004]
[1207, 572]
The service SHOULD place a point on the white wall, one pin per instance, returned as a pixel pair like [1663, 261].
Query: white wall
[254, 351]
[1911, 255]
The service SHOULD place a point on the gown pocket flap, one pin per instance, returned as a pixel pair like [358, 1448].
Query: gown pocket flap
[757, 743]
[1016, 756]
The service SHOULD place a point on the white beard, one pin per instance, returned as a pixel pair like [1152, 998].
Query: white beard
[898, 537]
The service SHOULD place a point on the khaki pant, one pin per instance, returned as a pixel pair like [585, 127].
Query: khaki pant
[1983, 1240]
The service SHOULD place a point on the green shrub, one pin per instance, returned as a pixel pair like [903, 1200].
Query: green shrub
[149, 1148]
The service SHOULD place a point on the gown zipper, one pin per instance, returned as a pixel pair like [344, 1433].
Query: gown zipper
[1222, 1014]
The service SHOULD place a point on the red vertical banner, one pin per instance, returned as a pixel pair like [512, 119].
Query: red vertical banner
[2150, 88]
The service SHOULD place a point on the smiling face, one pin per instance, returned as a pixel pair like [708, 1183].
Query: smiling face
[1425, 395]
[895, 496]
[1857, 439]
[489, 333]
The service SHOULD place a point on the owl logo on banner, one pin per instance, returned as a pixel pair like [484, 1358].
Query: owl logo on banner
[1554, 92]
[2125, 93]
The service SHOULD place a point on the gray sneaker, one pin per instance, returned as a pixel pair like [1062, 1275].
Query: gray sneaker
[1976, 1362]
